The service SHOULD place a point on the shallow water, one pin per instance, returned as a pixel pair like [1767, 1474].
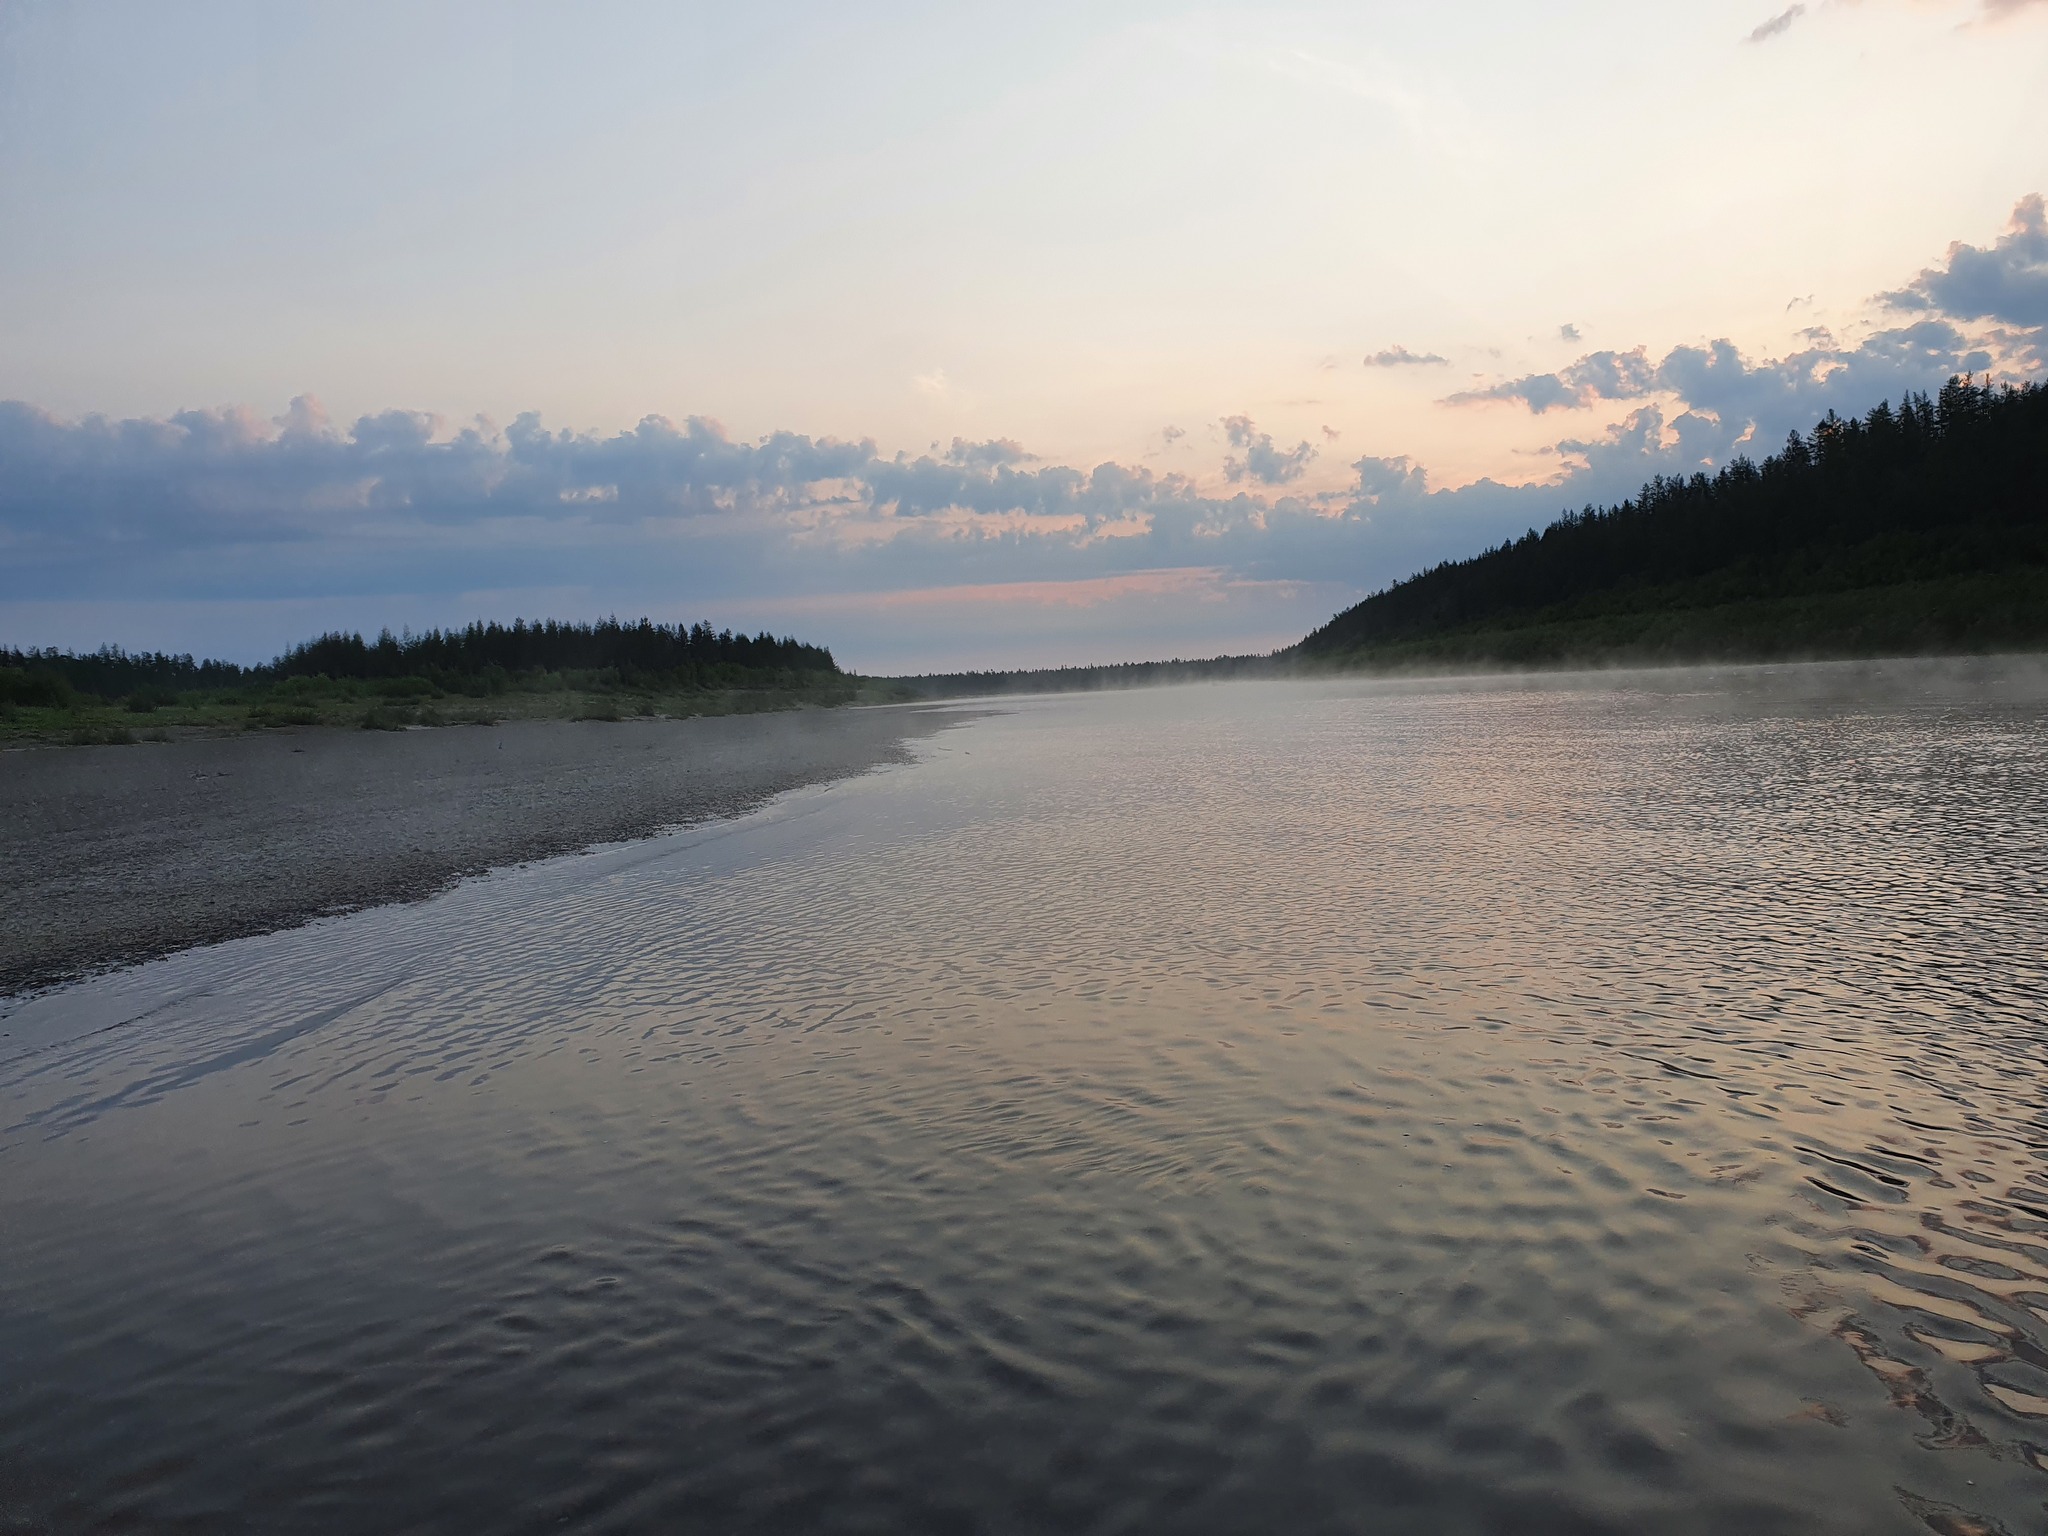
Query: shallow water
[1604, 1104]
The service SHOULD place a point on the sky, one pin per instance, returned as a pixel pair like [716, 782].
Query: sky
[949, 335]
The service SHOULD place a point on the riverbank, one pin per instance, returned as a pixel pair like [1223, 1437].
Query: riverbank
[117, 854]
[391, 704]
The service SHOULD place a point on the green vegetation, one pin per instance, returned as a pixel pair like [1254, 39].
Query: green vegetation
[1917, 531]
[478, 675]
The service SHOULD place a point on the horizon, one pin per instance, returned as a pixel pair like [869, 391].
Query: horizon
[951, 341]
[1801, 448]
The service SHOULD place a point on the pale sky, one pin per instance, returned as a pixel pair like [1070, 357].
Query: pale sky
[1175, 240]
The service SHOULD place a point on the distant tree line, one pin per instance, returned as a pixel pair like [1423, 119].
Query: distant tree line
[1129, 674]
[1944, 494]
[642, 649]
[50, 677]
[631, 654]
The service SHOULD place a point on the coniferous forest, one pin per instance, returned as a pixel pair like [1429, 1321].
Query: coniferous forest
[607, 670]
[1920, 529]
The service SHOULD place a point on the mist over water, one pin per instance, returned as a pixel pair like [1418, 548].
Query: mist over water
[1586, 1104]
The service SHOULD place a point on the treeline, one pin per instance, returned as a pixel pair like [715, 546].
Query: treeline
[1921, 527]
[642, 650]
[1132, 674]
[642, 654]
[50, 678]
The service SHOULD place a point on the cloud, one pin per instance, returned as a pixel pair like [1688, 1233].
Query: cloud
[1261, 460]
[1754, 400]
[1777, 26]
[992, 454]
[2000, 291]
[1401, 357]
[306, 515]
[1567, 333]
[298, 513]
[2007, 283]
[1596, 376]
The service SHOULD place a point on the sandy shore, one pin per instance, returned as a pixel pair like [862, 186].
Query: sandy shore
[112, 854]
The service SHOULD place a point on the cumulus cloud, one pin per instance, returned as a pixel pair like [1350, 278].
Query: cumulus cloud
[225, 505]
[992, 454]
[228, 504]
[2006, 283]
[1401, 357]
[1596, 376]
[1567, 333]
[1999, 292]
[1778, 25]
[211, 497]
[1258, 459]
[1755, 400]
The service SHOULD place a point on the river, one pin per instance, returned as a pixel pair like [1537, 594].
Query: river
[1583, 1104]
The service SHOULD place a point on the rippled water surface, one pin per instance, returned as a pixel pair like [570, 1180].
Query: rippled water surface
[1615, 1104]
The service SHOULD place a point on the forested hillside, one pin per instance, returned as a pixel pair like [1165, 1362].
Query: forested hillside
[1917, 529]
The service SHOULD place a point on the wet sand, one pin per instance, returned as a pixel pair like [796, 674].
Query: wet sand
[116, 854]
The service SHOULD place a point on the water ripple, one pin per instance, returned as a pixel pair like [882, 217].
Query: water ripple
[1600, 1106]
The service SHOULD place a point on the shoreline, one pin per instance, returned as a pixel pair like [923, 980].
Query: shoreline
[120, 854]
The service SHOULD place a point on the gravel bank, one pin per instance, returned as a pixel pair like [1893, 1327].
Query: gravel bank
[113, 854]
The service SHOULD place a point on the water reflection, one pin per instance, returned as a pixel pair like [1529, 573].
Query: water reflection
[1604, 1105]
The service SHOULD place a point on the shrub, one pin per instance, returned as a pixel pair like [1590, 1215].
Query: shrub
[35, 690]
[274, 714]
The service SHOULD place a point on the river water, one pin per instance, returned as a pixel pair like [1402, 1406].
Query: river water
[1598, 1104]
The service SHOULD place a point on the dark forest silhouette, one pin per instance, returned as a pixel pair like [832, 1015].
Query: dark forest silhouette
[1920, 528]
[642, 654]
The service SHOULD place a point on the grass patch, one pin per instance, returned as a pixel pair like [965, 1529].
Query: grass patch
[276, 715]
[37, 708]
[102, 736]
